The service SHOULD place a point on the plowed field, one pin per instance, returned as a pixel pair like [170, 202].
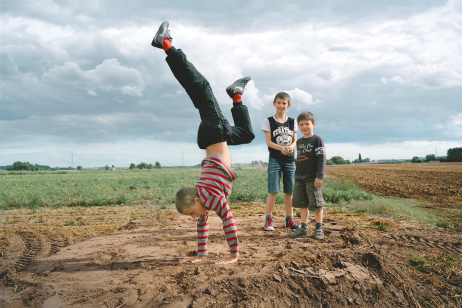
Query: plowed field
[440, 183]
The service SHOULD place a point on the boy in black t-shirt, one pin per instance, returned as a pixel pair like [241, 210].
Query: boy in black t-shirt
[281, 135]
[309, 173]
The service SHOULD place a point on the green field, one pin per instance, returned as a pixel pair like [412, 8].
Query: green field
[100, 187]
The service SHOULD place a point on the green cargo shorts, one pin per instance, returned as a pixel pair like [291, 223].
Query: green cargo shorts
[306, 195]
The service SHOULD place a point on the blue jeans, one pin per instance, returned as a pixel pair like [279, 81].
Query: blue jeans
[275, 169]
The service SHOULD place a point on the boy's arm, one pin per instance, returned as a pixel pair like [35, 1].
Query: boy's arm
[221, 206]
[271, 144]
[202, 237]
[294, 143]
[321, 162]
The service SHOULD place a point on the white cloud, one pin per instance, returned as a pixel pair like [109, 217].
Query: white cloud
[458, 119]
[301, 98]
[252, 97]
[109, 75]
[414, 51]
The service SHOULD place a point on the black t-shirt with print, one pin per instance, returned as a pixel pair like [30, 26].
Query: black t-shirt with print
[282, 134]
[311, 159]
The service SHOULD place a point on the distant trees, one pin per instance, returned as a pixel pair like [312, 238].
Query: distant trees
[455, 155]
[79, 168]
[256, 162]
[17, 166]
[144, 165]
[107, 167]
[430, 157]
[360, 160]
[416, 159]
[338, 160]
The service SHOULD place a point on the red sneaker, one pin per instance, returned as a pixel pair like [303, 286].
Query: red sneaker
[268, 225]
[292, 224]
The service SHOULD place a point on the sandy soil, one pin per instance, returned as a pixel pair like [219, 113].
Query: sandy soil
[356, 265]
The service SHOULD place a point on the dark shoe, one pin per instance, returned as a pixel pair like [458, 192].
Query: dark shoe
[318, 234]
[161, 34]
[292, 224]
[237, 86]
[300, 232]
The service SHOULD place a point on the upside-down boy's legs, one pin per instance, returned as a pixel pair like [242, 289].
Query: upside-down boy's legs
[214, 127]
[241, 132]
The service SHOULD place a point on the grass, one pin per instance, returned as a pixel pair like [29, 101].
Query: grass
[447, 263]
[368, 240]
[338, 191]
[393, 207]
[87, 188]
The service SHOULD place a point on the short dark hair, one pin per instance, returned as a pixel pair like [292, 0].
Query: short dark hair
[282, 95]
[305, 115]
[184, 198]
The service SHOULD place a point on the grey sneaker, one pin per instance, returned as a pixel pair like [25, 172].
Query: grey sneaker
[161, 34]
[237, 86]
[318, 234]
[298, 233]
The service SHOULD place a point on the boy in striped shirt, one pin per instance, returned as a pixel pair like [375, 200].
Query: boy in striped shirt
[215, 134]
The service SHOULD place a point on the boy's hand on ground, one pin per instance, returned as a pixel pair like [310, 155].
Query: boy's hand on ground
[192, 259]
[318, 182]
[227, 261]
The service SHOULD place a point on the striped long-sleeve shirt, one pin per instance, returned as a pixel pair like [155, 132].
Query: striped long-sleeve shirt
[214, 188]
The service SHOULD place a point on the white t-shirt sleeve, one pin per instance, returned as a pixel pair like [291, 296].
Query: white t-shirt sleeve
[295, 126]
[266, 126]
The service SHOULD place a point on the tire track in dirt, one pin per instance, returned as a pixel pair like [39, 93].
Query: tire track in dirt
[25, 247]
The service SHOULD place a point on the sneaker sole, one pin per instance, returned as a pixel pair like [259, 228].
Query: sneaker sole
[164, 26]
[269, 229]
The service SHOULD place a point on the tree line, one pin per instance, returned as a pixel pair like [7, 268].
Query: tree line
[143, 165]
[454, 155]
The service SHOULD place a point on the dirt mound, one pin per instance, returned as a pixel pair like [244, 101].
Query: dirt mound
[137, 266]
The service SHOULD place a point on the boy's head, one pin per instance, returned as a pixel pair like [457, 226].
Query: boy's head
[187, 202]
[305, 121]
[305, 115]
[281, 101]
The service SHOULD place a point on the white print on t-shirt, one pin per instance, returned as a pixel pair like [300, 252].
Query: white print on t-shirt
[320, 151]
[282, 130]
[304, 148]
[285, 136]
[284, 140]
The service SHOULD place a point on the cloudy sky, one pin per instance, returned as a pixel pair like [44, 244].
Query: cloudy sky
[79, 79]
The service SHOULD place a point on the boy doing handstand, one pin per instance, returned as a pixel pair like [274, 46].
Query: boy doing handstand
[215, 134]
